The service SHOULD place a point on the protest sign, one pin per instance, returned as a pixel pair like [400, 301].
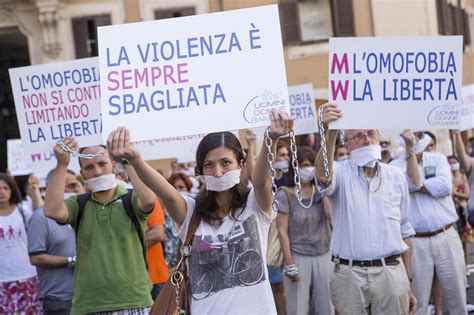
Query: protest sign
[183, 148]
[192, 75]
[40, 163]
[466, 111]
[57, 100]
[18, 163]
[302, 109]
[396, 82]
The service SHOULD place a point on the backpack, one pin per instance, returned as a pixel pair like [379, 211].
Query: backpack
[127, 206]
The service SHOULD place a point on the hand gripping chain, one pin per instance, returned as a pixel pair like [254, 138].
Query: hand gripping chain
[77, 154]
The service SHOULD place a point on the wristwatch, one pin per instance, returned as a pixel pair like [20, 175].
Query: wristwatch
[71, 261]
[410, 153]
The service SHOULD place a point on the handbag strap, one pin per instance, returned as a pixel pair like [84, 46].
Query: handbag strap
[193, 225]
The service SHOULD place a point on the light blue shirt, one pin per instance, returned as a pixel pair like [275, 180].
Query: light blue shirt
[431, 212]
[369, 221]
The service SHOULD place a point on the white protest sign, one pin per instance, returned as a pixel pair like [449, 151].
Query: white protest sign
[39, 163]
[192, 75]
[302, 109]
[183, 148]
[467, 108]
[396, 82]
[18, 163]
[57, 100]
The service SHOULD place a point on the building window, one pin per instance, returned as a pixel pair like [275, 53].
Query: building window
[85, 34]
[172, 13]
[309, 21]
[453, 20]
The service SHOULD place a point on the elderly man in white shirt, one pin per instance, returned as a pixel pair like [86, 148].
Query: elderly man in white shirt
[369, 211]
[436, 245]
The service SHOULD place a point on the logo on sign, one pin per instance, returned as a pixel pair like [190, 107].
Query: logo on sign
[259, 107]
[444, 115]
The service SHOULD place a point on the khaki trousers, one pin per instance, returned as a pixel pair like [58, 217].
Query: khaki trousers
[314, 272]
[444, 255]
[370, 290]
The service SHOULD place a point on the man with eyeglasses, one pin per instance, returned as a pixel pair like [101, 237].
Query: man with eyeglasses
[436, 245]
[52, 249]
[371, 233]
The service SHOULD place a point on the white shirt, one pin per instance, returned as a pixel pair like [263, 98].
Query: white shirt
[368, 223]
[227, 267]
[431, 212]
[14, 259]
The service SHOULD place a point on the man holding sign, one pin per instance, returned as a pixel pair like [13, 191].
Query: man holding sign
[370, 208]
[110, 273]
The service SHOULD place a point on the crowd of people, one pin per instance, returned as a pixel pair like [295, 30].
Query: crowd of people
[352, 229]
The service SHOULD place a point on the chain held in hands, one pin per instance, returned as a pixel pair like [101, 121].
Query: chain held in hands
[77, 154]
[322, 136]
[295, 164]
[272, 173]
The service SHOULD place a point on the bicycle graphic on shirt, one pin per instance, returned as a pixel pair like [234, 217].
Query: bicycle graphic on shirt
[234, 269]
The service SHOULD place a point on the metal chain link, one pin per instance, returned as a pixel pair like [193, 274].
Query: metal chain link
[322, 136]
[272, 171]
[87, 156]
[342, 135]
[295, 164]
[176, 279]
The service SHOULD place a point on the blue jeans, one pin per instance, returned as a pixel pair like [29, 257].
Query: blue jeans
[275, 274]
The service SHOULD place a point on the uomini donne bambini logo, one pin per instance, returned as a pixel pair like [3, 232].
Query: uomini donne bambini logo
[444, 115]
[259, 107]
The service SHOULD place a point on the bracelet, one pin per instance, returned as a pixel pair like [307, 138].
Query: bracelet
[291, 270]
[125, 162]
[71, 261]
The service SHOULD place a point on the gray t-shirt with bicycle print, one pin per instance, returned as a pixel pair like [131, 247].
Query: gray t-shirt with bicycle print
[228, 261]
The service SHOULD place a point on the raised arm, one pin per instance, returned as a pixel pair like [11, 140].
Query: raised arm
[413, 171]
[146, 198]
[250, 137]
[331, 113]
[34, 192]
[281, 124]
[464, 158]
[171, 199]
[54, 206]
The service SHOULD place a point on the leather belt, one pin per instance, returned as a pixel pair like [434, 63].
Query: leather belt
[390, 261]
[429, 234]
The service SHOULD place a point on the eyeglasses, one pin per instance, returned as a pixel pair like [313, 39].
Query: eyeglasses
[361, 136]
[73, 186]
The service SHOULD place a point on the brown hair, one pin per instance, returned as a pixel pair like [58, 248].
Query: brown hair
[184, 178]
[15, 197]
[304, 153]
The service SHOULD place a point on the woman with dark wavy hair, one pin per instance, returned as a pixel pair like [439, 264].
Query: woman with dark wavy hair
[18, 282]
[229, 246]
